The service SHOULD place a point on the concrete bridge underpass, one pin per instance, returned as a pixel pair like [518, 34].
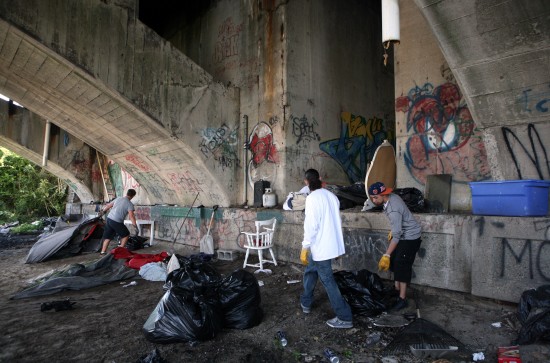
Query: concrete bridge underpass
[128, 93]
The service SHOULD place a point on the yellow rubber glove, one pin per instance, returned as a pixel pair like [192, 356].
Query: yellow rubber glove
[304, 256]
[384, 263]
[389, 236]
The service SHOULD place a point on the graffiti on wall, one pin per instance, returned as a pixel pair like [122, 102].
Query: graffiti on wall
[228, 40]
[535, 102]
[184, 181]
[304, 130]
[532, 153]
[137, 162]
[526, 253]
[443, 137]
[80, 164]
[166, 157]
[264, 153]
[261, 145]
[221, 144]
[358, 141]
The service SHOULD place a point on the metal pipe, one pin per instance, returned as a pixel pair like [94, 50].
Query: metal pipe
[46, 142]
[245, 158]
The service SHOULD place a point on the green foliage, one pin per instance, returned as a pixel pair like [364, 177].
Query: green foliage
[348, 354]
[27, 191]
[26, 228]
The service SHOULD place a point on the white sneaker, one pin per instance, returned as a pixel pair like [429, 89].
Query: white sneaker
[339, 324]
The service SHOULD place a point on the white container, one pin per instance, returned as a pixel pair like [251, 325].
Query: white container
[269, 198]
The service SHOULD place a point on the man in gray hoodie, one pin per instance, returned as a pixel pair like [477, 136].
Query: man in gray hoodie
[404, 239]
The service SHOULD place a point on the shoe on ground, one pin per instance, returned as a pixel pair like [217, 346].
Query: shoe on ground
[305, 309]
[339, 324]
[102, 253]
[400, 304]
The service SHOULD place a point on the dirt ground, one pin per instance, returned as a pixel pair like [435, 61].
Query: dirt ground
[106, 322]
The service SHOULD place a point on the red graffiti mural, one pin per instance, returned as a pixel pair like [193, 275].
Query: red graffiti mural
[261, 145]
[444, 139]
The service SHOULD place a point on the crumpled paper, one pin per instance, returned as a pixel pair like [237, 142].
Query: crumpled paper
[478, 356]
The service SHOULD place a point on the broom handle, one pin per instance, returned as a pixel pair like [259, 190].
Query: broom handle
[211, 219]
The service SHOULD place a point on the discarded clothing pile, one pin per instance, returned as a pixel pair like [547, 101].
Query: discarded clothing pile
[136, 260]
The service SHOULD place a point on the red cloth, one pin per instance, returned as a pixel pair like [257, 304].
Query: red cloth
[136, 260]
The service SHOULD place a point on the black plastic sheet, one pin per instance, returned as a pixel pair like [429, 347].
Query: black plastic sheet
[80, 277]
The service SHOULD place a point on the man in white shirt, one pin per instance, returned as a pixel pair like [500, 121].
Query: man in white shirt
[323, 241]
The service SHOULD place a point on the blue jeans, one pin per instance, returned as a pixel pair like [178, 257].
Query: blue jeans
[323, 270]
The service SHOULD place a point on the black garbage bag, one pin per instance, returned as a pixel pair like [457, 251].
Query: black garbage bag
[184, 315]
[534, 315]
[153, 357]
[135, 243]
[240, 300]
[362, 290]
[413, 198]
[349, 196]
[192, 273]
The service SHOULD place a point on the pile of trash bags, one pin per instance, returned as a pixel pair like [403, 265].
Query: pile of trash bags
[198, 302]
[534, 315]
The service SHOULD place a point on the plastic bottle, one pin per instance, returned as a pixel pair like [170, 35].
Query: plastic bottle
[331, 356]
[282, 338]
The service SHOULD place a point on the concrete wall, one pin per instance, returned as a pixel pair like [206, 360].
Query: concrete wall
[499, 53]
[436, 132]
[494, 257]
[311, 97]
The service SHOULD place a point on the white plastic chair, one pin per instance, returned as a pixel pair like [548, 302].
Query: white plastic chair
[260, 240]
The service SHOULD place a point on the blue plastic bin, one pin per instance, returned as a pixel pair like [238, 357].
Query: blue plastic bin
[519, 198]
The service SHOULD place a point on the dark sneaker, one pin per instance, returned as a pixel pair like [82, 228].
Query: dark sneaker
[400, 304]
[339, 324]
[305, 309]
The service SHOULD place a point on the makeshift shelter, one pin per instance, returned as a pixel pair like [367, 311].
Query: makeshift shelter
[71, 236]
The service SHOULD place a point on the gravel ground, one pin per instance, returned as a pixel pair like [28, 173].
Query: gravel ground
[106, 322]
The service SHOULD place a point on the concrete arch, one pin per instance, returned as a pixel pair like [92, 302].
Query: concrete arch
[127, 94]
[81, 189]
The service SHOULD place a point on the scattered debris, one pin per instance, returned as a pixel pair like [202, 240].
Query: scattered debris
[58, 305]
[478, 356]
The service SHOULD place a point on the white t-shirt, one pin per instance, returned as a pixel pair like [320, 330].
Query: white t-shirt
[323, 226]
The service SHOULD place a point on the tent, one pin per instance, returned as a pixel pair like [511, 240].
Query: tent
[70, 237]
